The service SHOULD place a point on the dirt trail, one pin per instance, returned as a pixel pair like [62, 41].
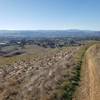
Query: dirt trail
[90, 77]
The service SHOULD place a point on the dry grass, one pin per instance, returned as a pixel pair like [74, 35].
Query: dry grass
[41, 74]
[36, 75]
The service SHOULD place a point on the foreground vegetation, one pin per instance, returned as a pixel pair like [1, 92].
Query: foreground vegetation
[68, 88]
[35, 72]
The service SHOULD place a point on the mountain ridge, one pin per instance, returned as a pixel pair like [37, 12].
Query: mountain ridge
[49, 33]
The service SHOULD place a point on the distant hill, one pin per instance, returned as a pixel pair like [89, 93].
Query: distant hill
[49, 33]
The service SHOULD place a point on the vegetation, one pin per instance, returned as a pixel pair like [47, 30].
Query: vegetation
[43, 68]
[68, 87]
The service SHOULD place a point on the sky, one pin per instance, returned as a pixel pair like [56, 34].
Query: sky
[49, 14]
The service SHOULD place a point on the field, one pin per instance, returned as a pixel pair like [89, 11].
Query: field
[38, 74]
[33, 72]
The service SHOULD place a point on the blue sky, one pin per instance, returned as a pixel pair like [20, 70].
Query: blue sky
[49, 14]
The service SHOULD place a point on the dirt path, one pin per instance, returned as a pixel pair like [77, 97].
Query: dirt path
[90, 78]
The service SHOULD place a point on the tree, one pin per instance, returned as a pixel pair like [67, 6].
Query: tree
[22, 43]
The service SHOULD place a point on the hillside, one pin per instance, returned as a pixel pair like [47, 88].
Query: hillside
[39, 74]
[33, 72]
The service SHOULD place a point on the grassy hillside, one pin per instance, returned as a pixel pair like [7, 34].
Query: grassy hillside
[41, 73]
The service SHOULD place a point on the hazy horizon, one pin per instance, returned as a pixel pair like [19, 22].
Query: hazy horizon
[49, 29]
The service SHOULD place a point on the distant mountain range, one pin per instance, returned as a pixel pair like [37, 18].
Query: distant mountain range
[49, 33]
